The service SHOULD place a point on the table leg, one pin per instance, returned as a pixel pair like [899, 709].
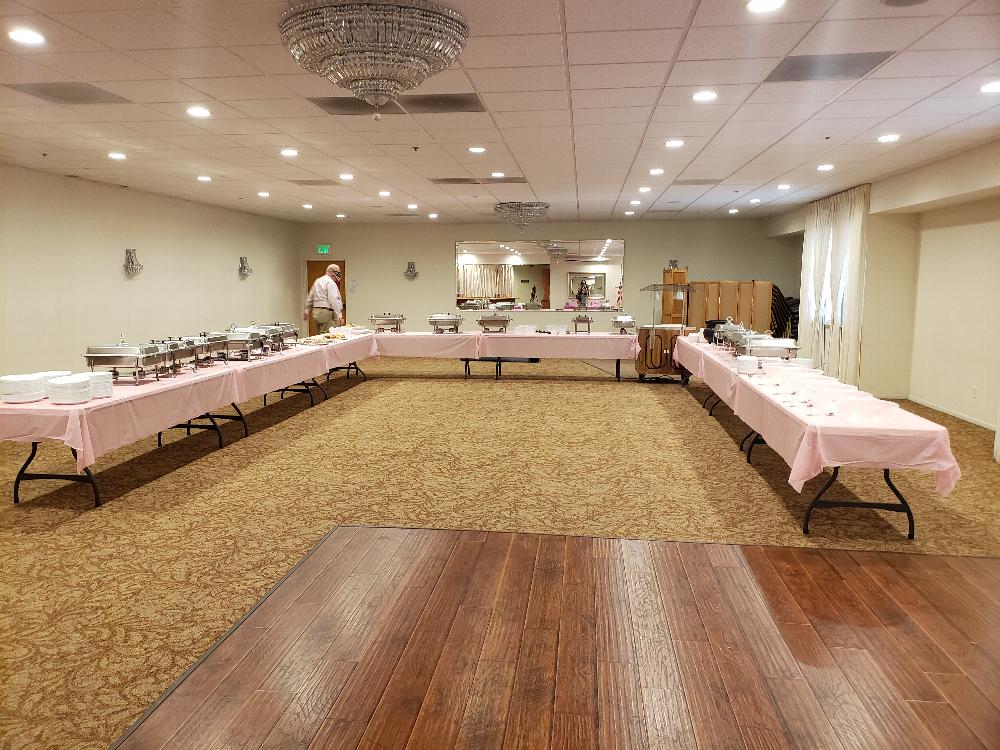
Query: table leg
[24, 476]
[704, 404]
[901, 507]
[618, 370]
[757, 440]
[714, 405]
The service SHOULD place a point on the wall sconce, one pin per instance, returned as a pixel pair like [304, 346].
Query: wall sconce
[411, 270]
[244, 269]
[132, 267]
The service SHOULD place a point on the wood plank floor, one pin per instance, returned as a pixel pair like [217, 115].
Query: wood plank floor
[396, 638]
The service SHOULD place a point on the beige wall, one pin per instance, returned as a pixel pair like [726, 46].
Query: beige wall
[957, 310]
[376, 257]
[890, 297]
[62, 246]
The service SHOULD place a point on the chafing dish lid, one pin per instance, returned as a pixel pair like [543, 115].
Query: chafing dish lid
[119, 350]
[445, 318]
[583, 319]
[623, 319]
[495, 318]
[387, 317]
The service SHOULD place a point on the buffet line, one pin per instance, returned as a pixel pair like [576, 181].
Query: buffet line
[813, 421]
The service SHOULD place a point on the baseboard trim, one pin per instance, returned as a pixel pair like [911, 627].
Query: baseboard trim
[951, 412]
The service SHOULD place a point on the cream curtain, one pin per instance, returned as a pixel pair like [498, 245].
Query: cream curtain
[833, 271]
[485, 280]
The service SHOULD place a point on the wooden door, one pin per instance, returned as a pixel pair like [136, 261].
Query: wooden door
[315, 269]
[546, 281]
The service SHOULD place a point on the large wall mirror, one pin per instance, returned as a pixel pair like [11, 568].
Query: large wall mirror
[540, 275]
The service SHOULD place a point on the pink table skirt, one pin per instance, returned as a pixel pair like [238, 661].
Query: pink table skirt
[896, 439]
[424, 344]
[560, 346]
[131, 413]
[341, 353]
[273, 373]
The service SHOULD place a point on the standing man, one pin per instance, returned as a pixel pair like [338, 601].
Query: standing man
[324, 302]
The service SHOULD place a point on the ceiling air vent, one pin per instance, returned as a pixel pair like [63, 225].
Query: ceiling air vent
[454, 180]
[478, 181]
[69, 93]
[414, 104]
[406, 216]
[827, 67]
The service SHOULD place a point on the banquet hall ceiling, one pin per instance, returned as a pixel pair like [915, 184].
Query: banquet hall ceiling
[578, 99]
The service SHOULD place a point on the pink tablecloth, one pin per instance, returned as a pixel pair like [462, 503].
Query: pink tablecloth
[896, 439]
[560, 346]
[268, 374]
[131, 413]
[341, 353]
[425, 344]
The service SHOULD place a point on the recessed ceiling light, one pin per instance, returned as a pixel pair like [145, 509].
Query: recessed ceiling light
[26, 36]
[764, 6]
[674, 143]
[635, 203]
[346, 176]
[204, 178]
[734, 210]
[432, 216]
[263, 194]
[645, 189]
[199, 111]
[784, 186]
[704, 96]
[384, 193]
[289, 152]
[755, 200]
[477, 149]
[993, 87]
[341, 216]
[824, 167]
[412, 206]
[117, 156]
[656, 171]
[888, 138]
[307, 206]
[630, 213]
[498, 174]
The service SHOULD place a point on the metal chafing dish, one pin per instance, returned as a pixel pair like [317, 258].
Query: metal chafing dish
[179, 351]
[288, 333]
[623, 324]
[141, 360]
[770, 347]
[445, 322]
[206, 346]
[494, 322]
[272, 337]
[243, 343]
[582, 323]
[387, 322]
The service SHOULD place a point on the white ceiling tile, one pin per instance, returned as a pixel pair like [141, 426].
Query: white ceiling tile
[894, 88]
[981, 7]
[232, 88]
[963, 33]
[535, 118]
[153, 91]
[130, 29]
[717, 72]
[241, 126]
[695, 113]
[969, 87]
[57, 36]
[865, 108]
[655, 45]
[196, 62]
[550, 78]
[278, 108]
[800, 91]
[624, 97]
[273, 59]
[178, 110]
[309, 85]
[950, 106]
[452, 81]
[609, 116]
[872, 35]
[916, 125]
[673, 129]
[727, 94]
[841, 125]
[234, 24]
[936, 63]
[634, 75]
[844, 9]
[15, 69]
[621, 130]
[728, 13]
[510, 16]
[736, 42]
[584, 15]
[505, 51]
[97, 67]
[506, 102]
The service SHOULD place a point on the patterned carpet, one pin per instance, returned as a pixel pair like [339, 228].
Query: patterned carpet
[100, 610]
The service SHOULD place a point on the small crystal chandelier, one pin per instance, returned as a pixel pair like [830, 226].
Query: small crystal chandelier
[375, 48]
[522, 213]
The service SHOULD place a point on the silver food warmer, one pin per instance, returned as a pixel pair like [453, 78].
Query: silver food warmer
[207, 346]
[179, 352]
[387, 322]
[445, 322]
[141, 360]
[759, 346]
[623, 324]
[493, 322]
[289, 333]
[244, 344]
[581, 323]
[271, 337]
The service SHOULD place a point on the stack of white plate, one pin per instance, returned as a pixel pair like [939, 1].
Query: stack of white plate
[100, 384]
[69, 389]
[22, 389]
[746, 365]
[49, 374]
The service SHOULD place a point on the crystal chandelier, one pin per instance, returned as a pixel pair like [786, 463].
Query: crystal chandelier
[521, 212]
[375, 48]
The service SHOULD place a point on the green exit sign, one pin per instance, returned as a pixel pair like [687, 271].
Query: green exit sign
[322, 249]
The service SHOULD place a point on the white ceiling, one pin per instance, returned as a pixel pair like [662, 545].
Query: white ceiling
[577, 248]
[581, 95]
